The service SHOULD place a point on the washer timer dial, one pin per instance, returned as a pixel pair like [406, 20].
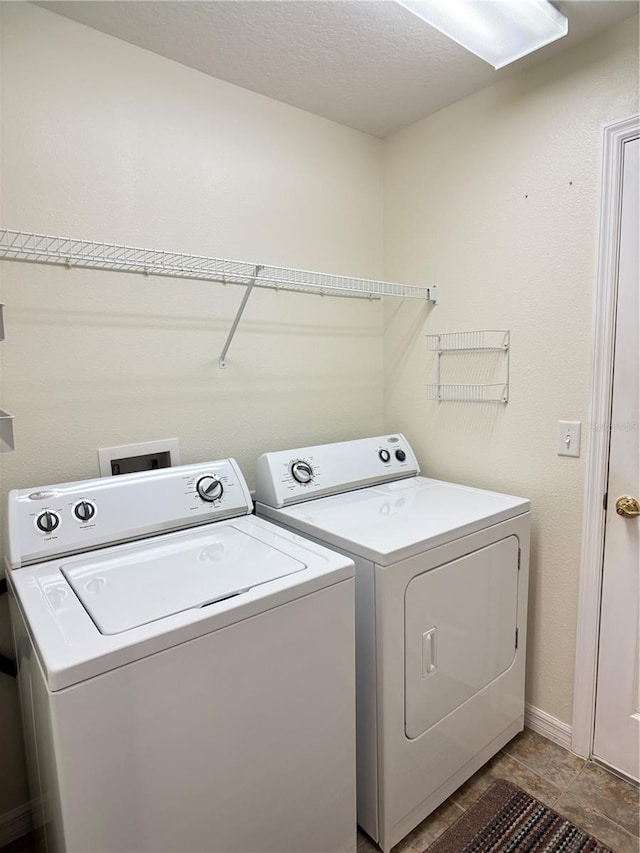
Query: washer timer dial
[210, 488]
[302, 472]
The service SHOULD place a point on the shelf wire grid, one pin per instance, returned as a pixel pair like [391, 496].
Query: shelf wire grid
[485, 340]
[496, 392]
[89, 254]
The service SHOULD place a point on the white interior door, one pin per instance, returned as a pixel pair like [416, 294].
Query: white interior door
[617, 722]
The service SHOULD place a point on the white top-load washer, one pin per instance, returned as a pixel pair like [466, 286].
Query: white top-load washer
[185, 668]
[441, 609]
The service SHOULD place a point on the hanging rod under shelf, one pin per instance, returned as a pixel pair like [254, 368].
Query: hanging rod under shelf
[89, 254]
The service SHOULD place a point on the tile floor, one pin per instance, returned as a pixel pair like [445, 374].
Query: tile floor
[593, 799]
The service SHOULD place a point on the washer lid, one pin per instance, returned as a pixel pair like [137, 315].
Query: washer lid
[155, 580]
[391, 522]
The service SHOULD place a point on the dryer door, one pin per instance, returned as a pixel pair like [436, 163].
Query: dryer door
[460, 631]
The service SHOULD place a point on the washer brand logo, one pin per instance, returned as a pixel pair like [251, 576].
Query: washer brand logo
[394, 439]
[41, 496]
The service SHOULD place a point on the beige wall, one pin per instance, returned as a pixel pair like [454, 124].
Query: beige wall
[106, 141]
[495, 199]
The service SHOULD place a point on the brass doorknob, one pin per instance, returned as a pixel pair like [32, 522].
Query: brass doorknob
[627, 506]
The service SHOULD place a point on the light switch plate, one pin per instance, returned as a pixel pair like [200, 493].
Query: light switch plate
[569, 438]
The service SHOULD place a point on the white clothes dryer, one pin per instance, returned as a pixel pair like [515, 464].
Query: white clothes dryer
[441, 610]
[185, 669]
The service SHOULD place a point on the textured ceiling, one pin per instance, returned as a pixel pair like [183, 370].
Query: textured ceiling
[368, 64]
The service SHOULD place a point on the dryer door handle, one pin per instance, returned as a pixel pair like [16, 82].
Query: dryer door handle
[429, 662]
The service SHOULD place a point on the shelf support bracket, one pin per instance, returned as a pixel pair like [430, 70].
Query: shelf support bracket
[222, 363]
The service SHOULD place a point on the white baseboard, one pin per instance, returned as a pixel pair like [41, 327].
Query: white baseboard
[547, 726]
[15, 823]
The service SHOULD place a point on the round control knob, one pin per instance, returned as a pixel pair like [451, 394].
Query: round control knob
[209, 488]
[84, 511]
[384, 454]
[302, 472]
[401, 455]
[47, 521]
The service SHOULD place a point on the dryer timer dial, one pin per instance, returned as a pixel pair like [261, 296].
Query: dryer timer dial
[301, 472]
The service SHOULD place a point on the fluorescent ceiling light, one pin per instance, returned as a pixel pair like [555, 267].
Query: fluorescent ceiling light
[498, 31]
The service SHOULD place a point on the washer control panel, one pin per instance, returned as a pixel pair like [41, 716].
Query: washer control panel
[292, 476]
[49, 521]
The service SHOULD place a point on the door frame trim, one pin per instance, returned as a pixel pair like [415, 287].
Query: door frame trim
[613, 137]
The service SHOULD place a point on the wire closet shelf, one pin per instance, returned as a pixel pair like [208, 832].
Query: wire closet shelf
[90, 254]
[478, 342]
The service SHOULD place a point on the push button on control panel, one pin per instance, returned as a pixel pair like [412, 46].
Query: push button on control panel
[47, 522]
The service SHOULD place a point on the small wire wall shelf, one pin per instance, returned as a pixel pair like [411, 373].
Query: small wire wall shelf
[476, 367]
[89, 254]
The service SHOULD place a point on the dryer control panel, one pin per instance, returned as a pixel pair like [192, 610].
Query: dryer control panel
[291, 476]
[49, 521]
